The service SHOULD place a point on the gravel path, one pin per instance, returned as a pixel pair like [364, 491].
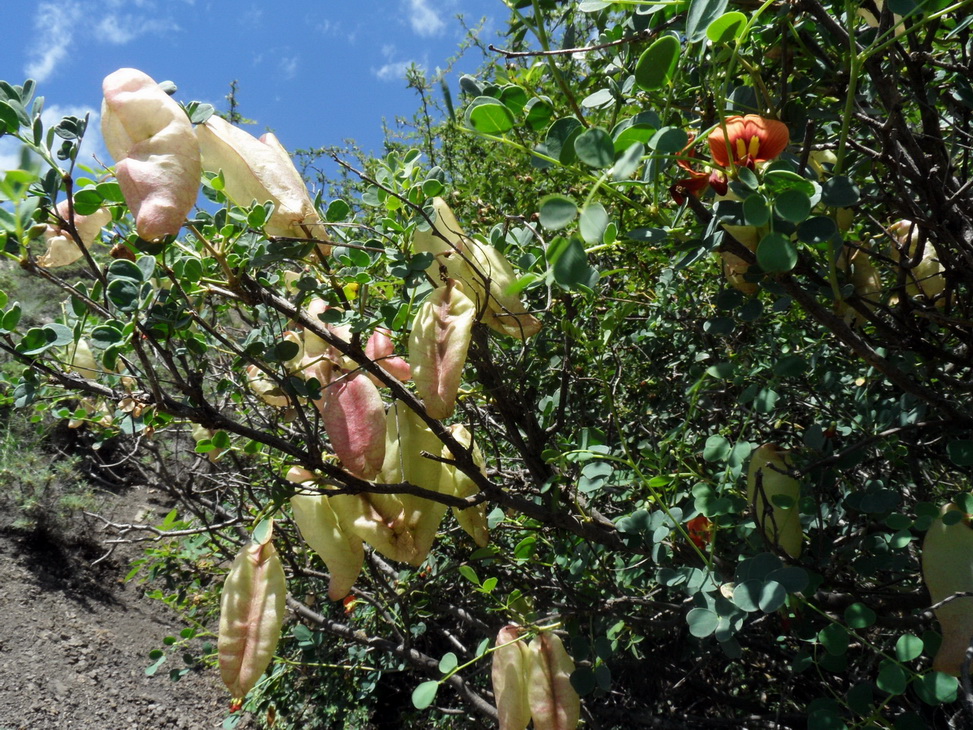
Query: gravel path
[75, 639]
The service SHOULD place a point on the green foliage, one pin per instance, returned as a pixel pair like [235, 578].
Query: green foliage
[682, 328]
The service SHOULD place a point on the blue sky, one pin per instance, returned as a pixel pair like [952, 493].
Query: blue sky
[314, 71]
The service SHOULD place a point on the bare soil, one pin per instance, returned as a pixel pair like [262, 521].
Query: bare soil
[75, 638]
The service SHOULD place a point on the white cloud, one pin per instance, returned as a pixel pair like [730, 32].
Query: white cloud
[424, 20]
[60, 25]
[288, 66]
[9, 154]
[55, 24]
[92, 147]
[392, 71]
[121, 29]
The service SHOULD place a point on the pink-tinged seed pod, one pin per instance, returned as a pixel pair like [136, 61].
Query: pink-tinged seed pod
[354, 418]
[509, 673]
[554, 703]
[155, 151]
[438, 345]
[947, 568]
[62, 249]
[261, 170]
[379, 349]
[252, 610]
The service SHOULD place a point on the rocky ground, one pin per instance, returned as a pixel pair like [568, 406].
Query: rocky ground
[75, 639]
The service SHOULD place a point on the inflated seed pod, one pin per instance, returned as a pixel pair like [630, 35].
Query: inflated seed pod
[767, 478]
[947, 568]
[438, 344]
[341, 551]
[509, 674]
[252, 609]
[472, 519]
[554, 703]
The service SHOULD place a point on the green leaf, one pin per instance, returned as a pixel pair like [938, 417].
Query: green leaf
[936, 688]
[448, 663]
[717, 448]
[8, 119]
[59, 334]
[36, 340]
[756, 210]
[125, 269]
[124, 294]
[792, 205]
[776, 253]
[746, 595]
[425, 694]
[593, 222]
[583, 680]
[908, 647]
[557, 212]
[834, 638]
[569, 264]
[669, 140]
[772, 596]
[262, 532]
[514, 98]
[891, 678]
[629, 161]
[657, 64]
[539, 112]
[960, 452]
[338, 210]
[594, 148]
[702, 622]
[700, 16]
[489, 116]
[110, 192]
[818, 230]
[470, 574]
[727, 27]
[777, 181]
[840, 192]
[793, 579]
[859, 616]
[559, 141]
[598, 99]
[87, 201]
[11, 318]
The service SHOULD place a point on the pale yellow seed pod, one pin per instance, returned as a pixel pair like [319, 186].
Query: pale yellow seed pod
[472, 519]
[767, 478]
[476, 265]
[341, 552]
[947, 568]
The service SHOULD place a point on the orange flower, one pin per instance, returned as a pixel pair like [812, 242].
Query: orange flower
[750, 139]
[700, 531]
[698, 180]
